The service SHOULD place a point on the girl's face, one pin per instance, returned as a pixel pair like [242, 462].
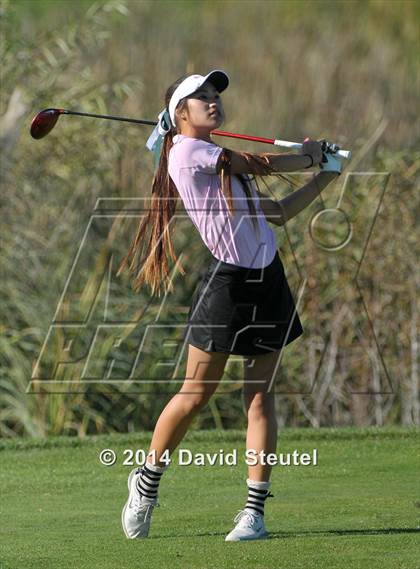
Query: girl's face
[205, 113]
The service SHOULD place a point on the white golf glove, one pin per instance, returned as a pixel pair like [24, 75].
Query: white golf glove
[331, 163]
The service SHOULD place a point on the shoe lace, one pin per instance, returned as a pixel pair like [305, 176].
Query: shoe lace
[248, 518]
[140, 507]
[139, 510]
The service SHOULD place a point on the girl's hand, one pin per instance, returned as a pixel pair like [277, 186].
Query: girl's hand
[313, 148]
[331, 163]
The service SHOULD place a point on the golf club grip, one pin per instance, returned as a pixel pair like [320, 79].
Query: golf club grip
[297, 145]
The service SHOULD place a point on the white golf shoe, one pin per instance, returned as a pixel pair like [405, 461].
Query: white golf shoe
[250, 525]
[137, 512]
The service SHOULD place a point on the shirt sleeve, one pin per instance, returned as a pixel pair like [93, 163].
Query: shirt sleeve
[200, 156]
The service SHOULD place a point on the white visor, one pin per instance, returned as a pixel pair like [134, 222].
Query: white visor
[190, 85]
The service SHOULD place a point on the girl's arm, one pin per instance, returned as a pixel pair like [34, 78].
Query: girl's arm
[264, 163]
[278, 212]
[289, 162]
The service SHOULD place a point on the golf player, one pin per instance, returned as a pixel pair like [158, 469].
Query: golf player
[243, 304]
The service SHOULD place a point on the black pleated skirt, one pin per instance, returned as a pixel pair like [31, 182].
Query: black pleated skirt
[238, 310]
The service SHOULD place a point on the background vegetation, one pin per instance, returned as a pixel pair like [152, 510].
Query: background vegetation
[347, 71]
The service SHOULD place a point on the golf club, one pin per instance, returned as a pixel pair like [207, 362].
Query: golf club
[43, 123]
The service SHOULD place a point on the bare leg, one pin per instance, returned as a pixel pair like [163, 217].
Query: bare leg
[204, 371]
[260, 408]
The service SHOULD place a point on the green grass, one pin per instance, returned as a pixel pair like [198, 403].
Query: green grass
[358, 508]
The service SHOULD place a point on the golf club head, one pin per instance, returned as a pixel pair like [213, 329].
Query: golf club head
[44, 122]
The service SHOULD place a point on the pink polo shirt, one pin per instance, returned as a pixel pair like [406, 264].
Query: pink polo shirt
[192, 167]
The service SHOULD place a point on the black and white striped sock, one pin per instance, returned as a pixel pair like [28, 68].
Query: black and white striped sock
[148, 482]
[257, 494]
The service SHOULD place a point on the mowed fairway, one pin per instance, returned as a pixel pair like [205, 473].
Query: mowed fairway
[359, 508]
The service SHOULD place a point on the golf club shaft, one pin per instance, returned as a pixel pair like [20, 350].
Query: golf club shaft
[276, 142]
[138, 121]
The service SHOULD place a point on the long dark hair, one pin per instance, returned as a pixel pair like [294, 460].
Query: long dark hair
[153, 267]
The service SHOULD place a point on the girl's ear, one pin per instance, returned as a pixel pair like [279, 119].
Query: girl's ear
[181, 114]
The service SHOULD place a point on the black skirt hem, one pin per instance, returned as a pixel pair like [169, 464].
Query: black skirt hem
[222, 350]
